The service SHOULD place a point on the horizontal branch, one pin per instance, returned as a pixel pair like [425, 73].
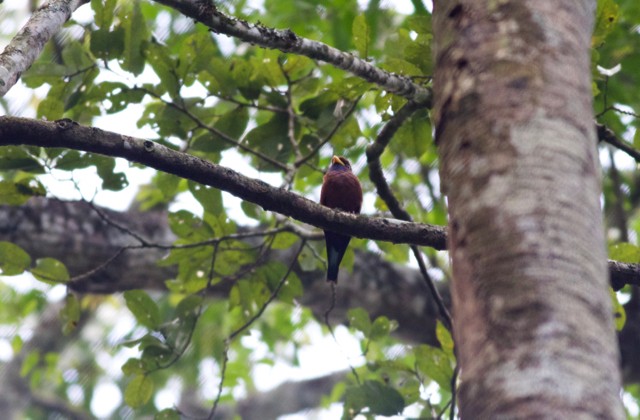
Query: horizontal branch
[26, 46]
[607, 135]
[287, 41]
[68, 134]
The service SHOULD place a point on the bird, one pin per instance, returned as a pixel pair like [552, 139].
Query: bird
[341, 190]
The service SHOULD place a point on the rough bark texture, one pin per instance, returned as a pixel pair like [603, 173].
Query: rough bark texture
[513, 117]
[26, 46]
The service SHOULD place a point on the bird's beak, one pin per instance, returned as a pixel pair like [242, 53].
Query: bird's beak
[337, 160]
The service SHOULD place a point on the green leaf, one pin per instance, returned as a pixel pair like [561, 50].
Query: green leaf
[359, 319]
[111, 180]
[247, 79]
[17, 158]
[636, 139]
[29, 362]
[185, 224]
[625, 252]
[75, 56]
[271, 139]
[381, 399]
[284, 240]
[361, 36]
[164, 66]
[414, 136]
[18, 193]
[232, 125]
[435, 364]
[135, 33]
[103, 12]
[444, 336]
[606, 19]
[619, 314]
[107, 44]
[16, 343]
[50, 270]
[135, 366]
[251, 210]
[13, 259]
[41, 73]
[167, 414]
[138, 391]
[70, 313]
[381, 328]
[143, 308]
[188, 306]
[51, 108]
[209, 197]
[307, 260]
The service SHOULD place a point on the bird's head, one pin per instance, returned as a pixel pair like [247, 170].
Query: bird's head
[340, 163]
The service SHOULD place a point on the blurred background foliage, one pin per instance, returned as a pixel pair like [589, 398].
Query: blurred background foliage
[143, 69]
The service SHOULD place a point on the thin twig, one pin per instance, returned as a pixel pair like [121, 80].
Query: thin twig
[374, 151]
[291, 121]
[118, 226]
[333, 335]
[200, 124]
[454, 380]
[329, 136]
[247, 324]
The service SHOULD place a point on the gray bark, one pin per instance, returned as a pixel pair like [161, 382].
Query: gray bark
[29, 42]
[513, 116]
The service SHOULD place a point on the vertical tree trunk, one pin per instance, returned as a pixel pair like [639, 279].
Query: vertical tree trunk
[513, 118]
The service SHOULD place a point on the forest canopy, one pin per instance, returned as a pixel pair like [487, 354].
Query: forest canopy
[161, 243]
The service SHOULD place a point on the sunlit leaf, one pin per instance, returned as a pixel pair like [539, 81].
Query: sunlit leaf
[361, 36]
[444, 336]
[18, 193]
[70, 313]
[606, 18]
[143, 308]
[139, 391]
[379, 398]
[13, 259]
[209, 197]
[619, 313]
[625, 252]
[359, 319]
[135, 32]
[435, 364]
[50, 270]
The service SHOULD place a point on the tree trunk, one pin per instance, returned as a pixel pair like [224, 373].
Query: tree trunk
[513, 117]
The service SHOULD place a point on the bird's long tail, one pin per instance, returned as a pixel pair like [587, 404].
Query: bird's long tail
[336, 247]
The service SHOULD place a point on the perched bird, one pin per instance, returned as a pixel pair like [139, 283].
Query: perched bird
[340, 190]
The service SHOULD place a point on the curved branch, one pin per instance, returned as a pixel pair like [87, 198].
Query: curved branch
[375, 150]
[287, 41]
[68, 134]
[26, 46]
